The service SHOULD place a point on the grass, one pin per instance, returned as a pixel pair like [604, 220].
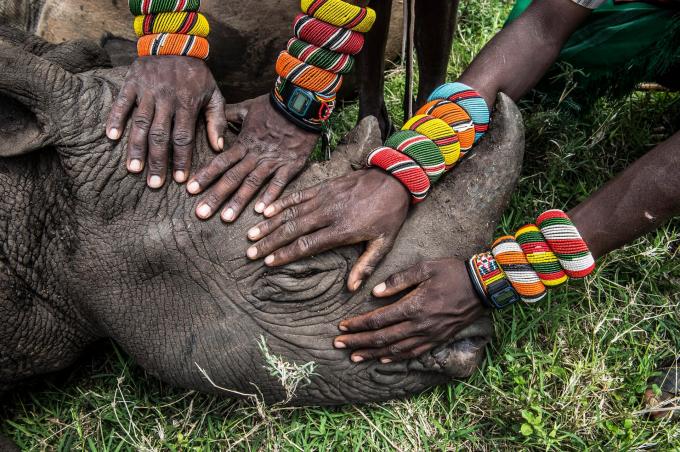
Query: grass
[566, 374]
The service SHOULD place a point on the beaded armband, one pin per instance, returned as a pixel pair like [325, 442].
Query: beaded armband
[470, 100]
[307, 76]
[173, 44]
[488, 277]
[404, 169]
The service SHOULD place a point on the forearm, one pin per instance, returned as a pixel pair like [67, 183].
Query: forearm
[519, 55]
[637, 201]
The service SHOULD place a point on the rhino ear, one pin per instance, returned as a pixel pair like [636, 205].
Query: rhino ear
[32, 96]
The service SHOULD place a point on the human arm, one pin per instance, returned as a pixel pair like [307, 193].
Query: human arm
[440, 300]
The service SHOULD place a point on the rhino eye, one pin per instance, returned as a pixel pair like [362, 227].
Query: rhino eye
[310, 279]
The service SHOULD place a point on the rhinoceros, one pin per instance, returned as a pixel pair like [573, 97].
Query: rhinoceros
[87, 251]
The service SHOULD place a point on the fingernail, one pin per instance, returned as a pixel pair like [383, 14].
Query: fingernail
[220, 143]
[155, 182]
[269, 260]
[342, 328]
[252, 252]
[113, 134]
[269, 211]
[193, 187]
[254, 233]
[180, 176]
[357, 359]
[228, 215]
[380, 288]
[357, 285]
[259, 207]
[385, 360]
[203, 211]
[135, 165]
[338, 344]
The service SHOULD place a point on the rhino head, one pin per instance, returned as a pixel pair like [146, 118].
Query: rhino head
[89, 252]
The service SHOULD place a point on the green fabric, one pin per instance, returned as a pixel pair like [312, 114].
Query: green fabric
[622, 44]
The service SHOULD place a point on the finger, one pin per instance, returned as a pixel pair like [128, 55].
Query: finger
[139, 135]
[237, 113]
[183, 143]
[217, 167]
[290, 200]
[251, 184]
[223, 188]
[159, 144]
[290, 230]
[276, 186]
[379, 338]
[407, 349]
[216, 121]
[120, 111]
[378, 318]
[266, 227]
[364, 267]
[305, 246]
[401, 281]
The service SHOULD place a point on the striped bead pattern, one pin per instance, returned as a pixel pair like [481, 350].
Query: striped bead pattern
[306, 76]
[473, 103]
[340, 14]
[143, 7]
[173, 44]
[566, 242]
[488, 269]
[520, 273]
[540, 256]
[438, 131]
[456, 117]
[338, 63]
[330, 37]
[403, 168]
[191, 23]
[421, 149]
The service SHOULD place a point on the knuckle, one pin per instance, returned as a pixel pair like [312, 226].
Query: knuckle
[296, 197]
[159, 137]
[278, 182]
[290, 229]
[413, 310]
[290, 214]
[182, 138]
[254, 181]
[304, 244]
[374, 322]
[394, 349]
[142, 121]
[380, 340]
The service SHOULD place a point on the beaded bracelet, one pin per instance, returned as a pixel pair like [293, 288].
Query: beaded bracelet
[340, 14]
[468, 98]
[421, 149]
[403, 168]
[490, 282]
[536, 258]
[173, 44]
[440, 133]
[337, 63]
[143, 7]
[307, 76]
[456, 117]
[184, 23]
[305, 108]
[330, 37]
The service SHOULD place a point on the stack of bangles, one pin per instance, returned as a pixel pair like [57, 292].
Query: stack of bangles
[538, 257]
[170, 27]
[327, 36]
[431, 143]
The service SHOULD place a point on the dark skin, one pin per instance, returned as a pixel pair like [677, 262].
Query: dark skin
[165, 96]
[438, 297]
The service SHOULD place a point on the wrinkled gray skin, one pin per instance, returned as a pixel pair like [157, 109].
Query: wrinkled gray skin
[87, 251]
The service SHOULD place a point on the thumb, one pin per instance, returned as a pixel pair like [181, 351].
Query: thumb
[216, 121]
[364, 267]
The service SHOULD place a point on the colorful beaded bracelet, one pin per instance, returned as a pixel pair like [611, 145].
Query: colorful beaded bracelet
[306, 76]
[143, 7]
[520, 273]
[540, 256]
[456, 117]
[403, 168]
[173, 44]
[421, 149]
[340, 14]
[186, 23]
[567, 244]
[305, 108]
[330, 37]
[338, 63]
[473, 103]
[490, 282]
[440, 133]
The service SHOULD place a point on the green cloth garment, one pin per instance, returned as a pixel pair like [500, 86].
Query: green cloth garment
[622, 44]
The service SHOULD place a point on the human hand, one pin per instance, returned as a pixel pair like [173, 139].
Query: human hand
[442, 303]
[269, 146]
[363, 206]
[163, 88]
